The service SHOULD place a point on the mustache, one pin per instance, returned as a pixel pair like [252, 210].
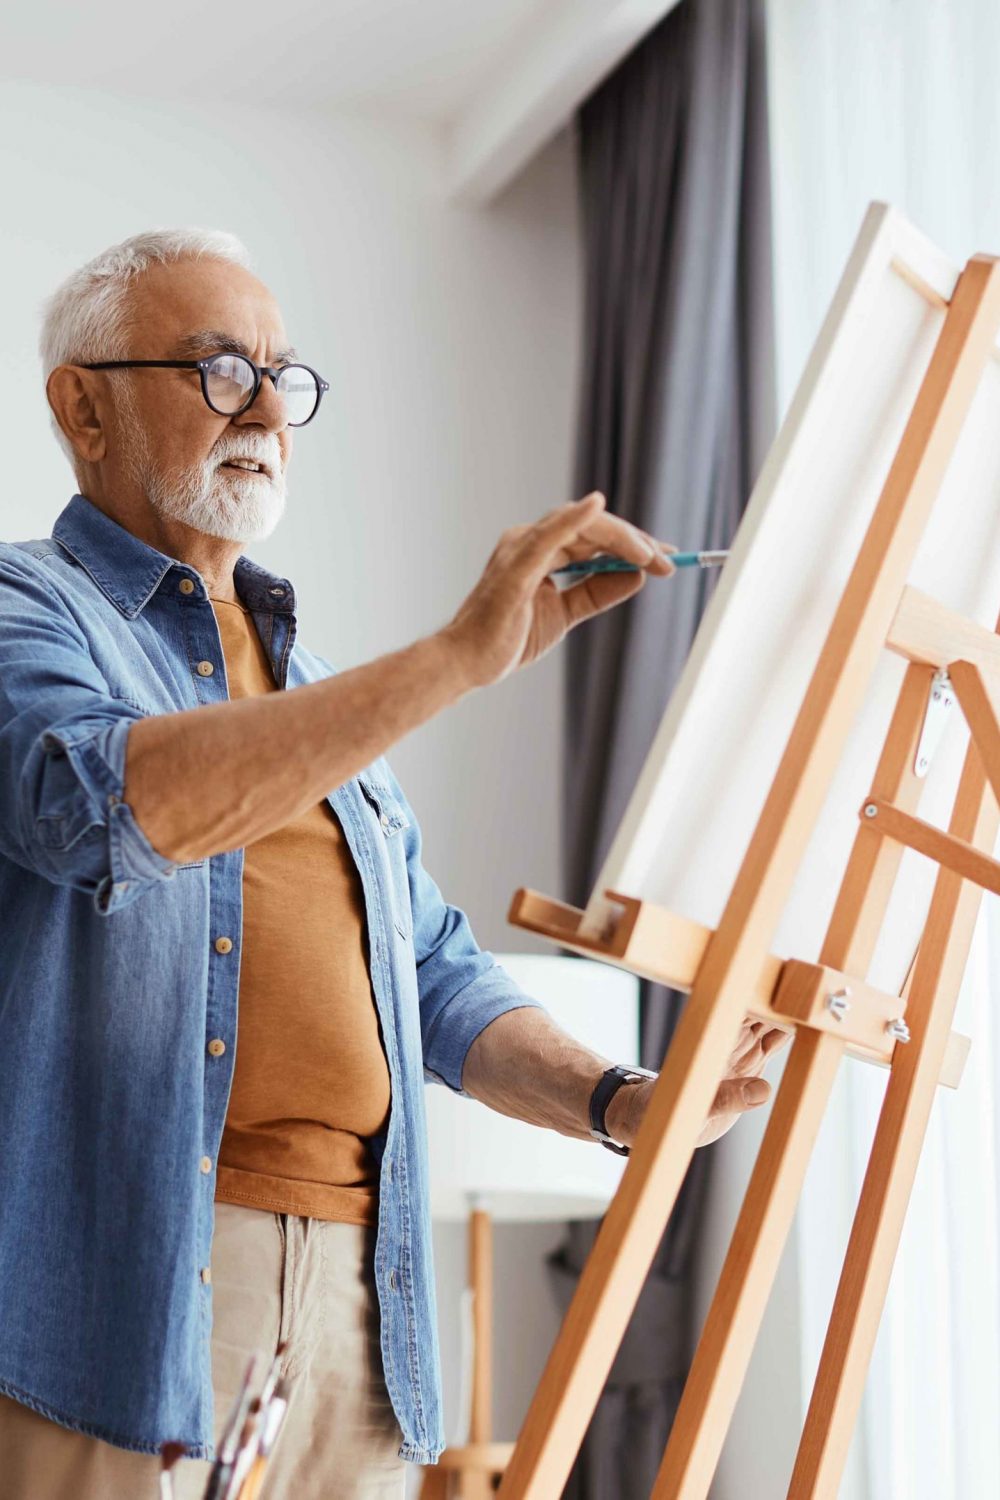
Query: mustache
[253, 446]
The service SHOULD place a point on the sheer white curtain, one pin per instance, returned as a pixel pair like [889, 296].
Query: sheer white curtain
[900, 100]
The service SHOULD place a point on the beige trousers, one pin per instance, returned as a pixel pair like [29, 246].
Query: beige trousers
[274, 1277]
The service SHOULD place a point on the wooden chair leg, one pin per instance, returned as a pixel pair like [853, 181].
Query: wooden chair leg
[435, 1485]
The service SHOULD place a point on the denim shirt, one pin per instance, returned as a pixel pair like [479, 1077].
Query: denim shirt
[111, 988]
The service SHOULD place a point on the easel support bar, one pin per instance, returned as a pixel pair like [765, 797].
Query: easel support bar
[791, 993]
[825, 1000]
[947, 850]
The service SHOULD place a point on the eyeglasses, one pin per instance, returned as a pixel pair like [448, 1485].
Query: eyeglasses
[230, 382]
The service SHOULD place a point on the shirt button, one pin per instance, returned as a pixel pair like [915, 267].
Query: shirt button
[393, 1280]
[223, 945]
[205, 668]
[206, 1164]
[206, 1274]
[384, 820]
[186, 586]
[279, 592]
[216, 1046]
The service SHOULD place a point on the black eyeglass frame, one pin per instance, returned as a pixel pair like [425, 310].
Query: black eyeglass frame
[203, 365]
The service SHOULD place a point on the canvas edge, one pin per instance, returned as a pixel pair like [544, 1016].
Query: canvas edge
[885, 238]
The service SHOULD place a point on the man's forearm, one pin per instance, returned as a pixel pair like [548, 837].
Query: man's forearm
[524, 1065]
[206, 780]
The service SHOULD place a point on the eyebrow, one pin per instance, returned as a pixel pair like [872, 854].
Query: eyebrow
[214, 341]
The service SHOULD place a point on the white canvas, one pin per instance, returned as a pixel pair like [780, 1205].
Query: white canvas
[702, 788]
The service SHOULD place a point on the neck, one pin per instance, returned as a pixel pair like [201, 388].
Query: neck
[213, 557]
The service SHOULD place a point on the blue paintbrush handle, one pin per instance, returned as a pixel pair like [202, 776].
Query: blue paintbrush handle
[619, 565]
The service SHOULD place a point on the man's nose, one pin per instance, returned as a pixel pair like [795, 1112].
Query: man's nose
[267, 409]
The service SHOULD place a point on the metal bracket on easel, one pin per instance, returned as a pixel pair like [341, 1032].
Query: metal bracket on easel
[940, 699]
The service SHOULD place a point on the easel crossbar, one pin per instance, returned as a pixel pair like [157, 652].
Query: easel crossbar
[944, 848]
[788, 993]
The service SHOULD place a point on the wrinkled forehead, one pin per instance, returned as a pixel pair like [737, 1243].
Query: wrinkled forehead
[169, 304]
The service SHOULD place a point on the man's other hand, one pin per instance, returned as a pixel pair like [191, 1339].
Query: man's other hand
[741, 1089]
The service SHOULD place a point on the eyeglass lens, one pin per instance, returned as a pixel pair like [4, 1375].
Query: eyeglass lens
[229, 382]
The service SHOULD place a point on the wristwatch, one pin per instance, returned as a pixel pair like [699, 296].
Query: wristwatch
[607, 1087]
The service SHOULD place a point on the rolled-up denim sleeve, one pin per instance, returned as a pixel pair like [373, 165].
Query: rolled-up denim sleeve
[63, 738]
[462, 987]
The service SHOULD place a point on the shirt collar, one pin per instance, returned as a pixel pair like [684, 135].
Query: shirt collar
[129, 571]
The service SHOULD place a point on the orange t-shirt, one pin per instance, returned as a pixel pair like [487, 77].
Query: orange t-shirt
[311, 1080]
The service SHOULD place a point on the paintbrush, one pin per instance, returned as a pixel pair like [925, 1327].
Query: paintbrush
[271, 1427]
[604, 564]
[222, 1469]
[267, 1390]
[250, 1444]
[246, 1452]
[170, 1452]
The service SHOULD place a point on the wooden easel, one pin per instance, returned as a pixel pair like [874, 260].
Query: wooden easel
[730, 972]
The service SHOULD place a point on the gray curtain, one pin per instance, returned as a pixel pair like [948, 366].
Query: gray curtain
[676, 411]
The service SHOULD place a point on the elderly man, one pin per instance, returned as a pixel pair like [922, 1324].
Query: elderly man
[196, 819]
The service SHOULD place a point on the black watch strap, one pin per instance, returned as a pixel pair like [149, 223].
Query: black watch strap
[607, 1087]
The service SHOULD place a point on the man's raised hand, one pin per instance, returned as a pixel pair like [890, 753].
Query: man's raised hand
[516, 613]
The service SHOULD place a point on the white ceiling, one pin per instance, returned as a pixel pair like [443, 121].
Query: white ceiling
[421, 57]
[499, 77]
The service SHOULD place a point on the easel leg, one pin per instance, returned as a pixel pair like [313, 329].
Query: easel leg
[734, 1318]
[727, 1340]
[892, 1165]
[623, 1251]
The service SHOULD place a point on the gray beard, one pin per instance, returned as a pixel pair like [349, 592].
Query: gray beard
[221, 504]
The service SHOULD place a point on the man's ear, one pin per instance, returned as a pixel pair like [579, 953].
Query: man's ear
[72, 396]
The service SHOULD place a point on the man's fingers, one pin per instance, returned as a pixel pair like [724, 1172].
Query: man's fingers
[735, 1095]
[759, 1038]
[565, 522]
[746, 1042]
[743, 1089]
[610, 533]
[599, 593]
[583, 528]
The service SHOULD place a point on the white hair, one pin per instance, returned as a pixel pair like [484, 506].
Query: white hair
[87, 318]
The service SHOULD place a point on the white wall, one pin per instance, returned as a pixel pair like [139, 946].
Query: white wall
[449, 337]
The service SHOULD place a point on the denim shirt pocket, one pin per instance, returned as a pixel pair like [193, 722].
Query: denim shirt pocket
[391, 820]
